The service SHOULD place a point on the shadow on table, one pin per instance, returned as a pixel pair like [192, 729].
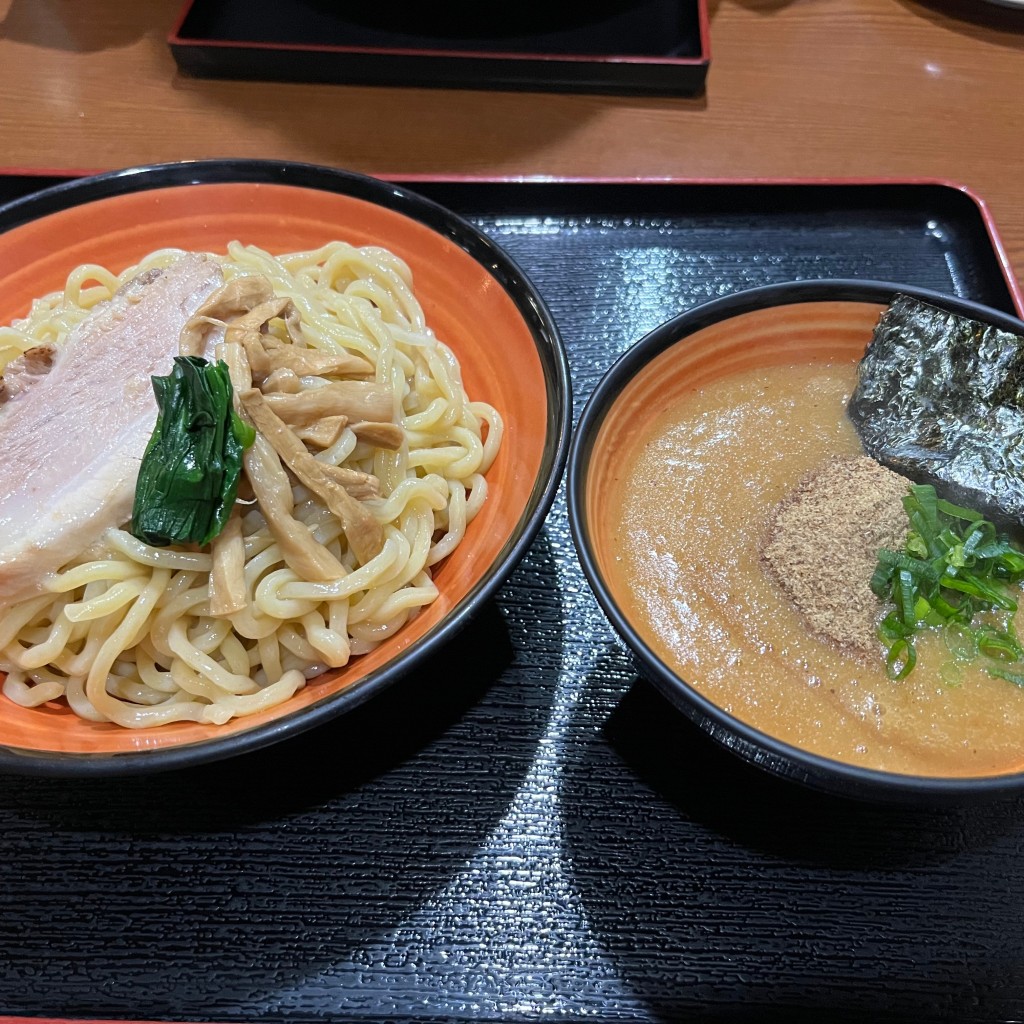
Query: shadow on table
[60, 25]
[478, 121]
[705, 782]
[755, 6]
[981, 19]
[720, 892]
[483, 121]
[261, 871]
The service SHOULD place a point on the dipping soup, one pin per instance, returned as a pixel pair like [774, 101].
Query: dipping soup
[696, 478]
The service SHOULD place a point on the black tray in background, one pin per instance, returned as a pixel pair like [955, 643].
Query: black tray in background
[526, 831]
[653, 47]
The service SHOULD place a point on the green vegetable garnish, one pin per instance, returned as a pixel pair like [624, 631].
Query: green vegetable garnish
[189, 474]
[953, 566]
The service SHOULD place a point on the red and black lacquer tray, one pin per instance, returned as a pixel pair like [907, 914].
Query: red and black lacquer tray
[657, 47]
[537, 836]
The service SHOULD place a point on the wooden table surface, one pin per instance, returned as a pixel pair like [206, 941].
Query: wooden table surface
[807, 89]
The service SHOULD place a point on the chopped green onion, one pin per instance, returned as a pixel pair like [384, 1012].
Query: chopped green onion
[998, 644]
[954, 565]
[1017, 678]
[899, 662]
[950, 674]
[954, 511]
[961, 642]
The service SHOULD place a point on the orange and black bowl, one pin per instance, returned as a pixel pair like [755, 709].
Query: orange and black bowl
[474, 296]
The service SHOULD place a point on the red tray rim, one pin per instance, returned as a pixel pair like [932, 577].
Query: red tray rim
[995, 239]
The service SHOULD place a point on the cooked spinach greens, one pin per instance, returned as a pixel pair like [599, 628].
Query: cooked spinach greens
[953, 566]
[189, 474]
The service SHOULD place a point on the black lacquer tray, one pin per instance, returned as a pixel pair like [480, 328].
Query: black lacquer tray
[526, 831]
[657, 47]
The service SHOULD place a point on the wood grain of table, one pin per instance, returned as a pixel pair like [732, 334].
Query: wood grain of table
[806, 89]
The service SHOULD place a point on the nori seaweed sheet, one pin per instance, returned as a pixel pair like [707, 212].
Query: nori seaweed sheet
[940, 399]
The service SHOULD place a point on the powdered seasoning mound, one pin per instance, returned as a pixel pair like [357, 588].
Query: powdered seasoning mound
[822, 546]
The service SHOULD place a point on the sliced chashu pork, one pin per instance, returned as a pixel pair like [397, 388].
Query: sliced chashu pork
[71, 443]
[25, 370]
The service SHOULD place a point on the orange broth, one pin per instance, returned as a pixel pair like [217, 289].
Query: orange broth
[688, 512]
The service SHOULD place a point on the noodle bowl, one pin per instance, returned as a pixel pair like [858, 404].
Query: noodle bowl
[125, 632]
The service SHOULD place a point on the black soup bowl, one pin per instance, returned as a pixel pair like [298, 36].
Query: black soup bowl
[685, 447]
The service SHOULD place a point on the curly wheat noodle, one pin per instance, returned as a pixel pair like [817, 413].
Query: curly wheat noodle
[124, 633]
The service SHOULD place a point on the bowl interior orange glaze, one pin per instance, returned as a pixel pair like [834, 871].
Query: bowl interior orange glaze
[773, 336]
[467, 307]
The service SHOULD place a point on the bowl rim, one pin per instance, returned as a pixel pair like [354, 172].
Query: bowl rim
[783, 758]
[552, 356]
